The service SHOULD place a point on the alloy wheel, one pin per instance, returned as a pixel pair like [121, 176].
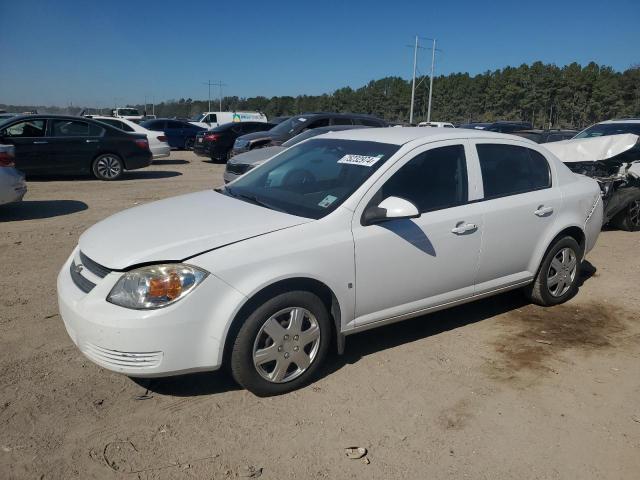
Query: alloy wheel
[562, 272]
[286, 345]
[634, 213]
[108, 166]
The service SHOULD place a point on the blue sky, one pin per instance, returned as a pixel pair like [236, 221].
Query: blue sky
[98, 52]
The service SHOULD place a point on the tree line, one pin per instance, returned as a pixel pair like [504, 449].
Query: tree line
[544, 94]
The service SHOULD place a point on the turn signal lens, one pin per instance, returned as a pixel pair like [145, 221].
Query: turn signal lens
[155, 286]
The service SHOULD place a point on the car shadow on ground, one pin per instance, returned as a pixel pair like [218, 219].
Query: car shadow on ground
[127, 175]
[365, 343]
[147, 175]
[39, 209]
[170, 162]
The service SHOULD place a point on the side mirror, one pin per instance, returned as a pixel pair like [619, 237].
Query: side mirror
[391, 208]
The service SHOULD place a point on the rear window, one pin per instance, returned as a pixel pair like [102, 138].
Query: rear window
[510, 170]
[117, 124]
[75, 128]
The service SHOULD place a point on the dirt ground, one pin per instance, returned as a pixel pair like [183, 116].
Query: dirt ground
[497, 389]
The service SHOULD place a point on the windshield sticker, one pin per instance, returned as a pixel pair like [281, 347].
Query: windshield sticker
[326, 201]
[302, 119]
[363, 160]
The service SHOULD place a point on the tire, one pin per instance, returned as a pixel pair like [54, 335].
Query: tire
[107, 166]
[629, 218]
[558, 275]
[188, 143]
[269, 337]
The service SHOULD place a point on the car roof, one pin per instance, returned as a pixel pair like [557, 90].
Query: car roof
[400, 136]
[621, 120]
[45, 116]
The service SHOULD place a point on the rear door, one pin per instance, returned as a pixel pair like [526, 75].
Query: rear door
[74, 144]
[31, 145]
[520, 204]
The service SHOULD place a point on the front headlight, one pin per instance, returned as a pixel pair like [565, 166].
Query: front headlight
[155, 286]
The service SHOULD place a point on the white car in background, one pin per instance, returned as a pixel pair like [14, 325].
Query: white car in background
[214, 119]
[127, 113]
[12, 183]
[157, 141]
[436, 124]
[338, 234]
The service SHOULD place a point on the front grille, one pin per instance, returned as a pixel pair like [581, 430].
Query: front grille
[238, 168]
[95, 268]
[81, 282]
[117, 359]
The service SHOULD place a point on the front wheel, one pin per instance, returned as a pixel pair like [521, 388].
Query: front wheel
[558, 276]
[188, 143]
[629, 218]
[281, 344]
[107, 167]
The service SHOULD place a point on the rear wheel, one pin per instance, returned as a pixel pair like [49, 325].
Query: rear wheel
[629, 218]
[188, 143]
[108, 166]
[557, 278]
[281, 344]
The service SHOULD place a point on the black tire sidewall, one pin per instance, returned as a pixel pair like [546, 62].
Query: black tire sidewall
[242, 367]
[564, 242]
[189, 143]
[94, 168]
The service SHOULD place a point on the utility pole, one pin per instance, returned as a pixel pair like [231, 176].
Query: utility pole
[433, 62]
[219, 84]
[413, 84]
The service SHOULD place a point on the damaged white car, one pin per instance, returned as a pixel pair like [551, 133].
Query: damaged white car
[614, 161]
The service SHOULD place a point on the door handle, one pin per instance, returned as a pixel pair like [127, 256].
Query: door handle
[41, 142]
[543, 211]
[463, 228]
[91, 141]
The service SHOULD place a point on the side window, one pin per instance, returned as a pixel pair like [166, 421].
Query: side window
[433, 180]
[75, 128]
[342, 121]
[29, 128]
[323, 122]
[117, 124]
[175, 125]
[211, 118]
[510, 169]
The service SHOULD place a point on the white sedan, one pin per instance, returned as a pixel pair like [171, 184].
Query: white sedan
[341, 233]
[157, 141]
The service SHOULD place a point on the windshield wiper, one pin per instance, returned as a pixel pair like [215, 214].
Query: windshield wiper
[251, 199]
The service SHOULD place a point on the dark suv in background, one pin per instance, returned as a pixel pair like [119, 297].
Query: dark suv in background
[298, 123]
[180, 133]
[57, 144]
[218, 142]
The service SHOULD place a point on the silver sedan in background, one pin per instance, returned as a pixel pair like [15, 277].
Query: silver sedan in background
[12, 184]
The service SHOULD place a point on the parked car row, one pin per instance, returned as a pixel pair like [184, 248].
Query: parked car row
[217, 142]
[293, 126]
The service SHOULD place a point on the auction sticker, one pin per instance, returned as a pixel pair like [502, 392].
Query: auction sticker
[326, 201]
[363, 160]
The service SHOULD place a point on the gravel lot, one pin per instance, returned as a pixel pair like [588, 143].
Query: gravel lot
[495, 389]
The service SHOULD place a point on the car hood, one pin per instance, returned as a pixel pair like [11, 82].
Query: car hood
[257, 155]
[178, 228]
[614, 148]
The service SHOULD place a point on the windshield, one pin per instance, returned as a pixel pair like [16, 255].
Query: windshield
[198, 118]
[128, 111]
[313, 178]
[288, 126]
[604, 129]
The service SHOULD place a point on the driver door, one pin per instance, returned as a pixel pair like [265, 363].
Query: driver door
[405, 266]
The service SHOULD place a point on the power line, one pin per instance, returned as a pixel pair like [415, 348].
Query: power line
[219, 84]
